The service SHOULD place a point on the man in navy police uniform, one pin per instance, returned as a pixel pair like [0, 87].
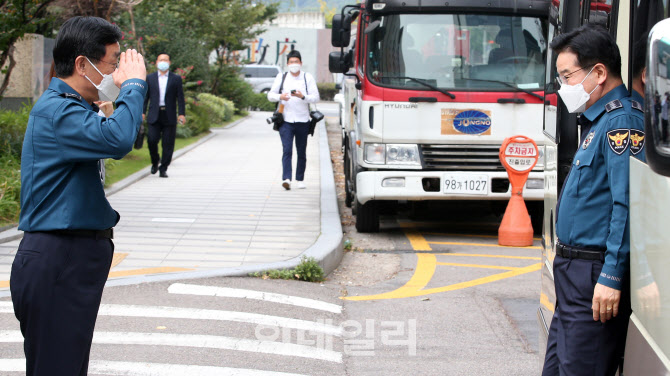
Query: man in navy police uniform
[588, 330]
[64, 257]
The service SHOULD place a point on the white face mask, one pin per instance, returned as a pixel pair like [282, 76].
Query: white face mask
[575, 97]
[163, 66]
[107, 90]
[294, 68]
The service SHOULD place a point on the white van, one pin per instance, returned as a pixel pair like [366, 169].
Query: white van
[260, 77]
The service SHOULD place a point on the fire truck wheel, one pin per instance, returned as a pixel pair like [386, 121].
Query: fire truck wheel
[348, 194]
[367, 217]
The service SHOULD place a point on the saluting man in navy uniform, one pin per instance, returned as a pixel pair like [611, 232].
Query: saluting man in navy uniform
[588, 330]
[64, 258]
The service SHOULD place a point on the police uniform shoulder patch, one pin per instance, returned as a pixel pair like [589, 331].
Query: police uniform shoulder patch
[613, 105]
[71, 95]
[618, 139]
[636, 141]
[637, 105]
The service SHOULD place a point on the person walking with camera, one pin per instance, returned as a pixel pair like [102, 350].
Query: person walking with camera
[294, 90]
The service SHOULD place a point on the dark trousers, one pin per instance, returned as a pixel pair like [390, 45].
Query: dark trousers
[56, 285]
[165, 132]
[287, 132]
[577, 345]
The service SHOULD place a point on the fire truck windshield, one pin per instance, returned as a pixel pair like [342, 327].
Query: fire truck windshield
[468, 52]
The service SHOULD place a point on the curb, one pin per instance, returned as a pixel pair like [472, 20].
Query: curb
[327, 250]
[10, 233]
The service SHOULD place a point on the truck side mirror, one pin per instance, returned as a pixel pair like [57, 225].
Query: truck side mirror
[339, 62]
[341, 31]
[657, 143]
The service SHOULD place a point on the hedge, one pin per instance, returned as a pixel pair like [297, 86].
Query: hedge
[12, 129]
[327, 91]
[205, 111]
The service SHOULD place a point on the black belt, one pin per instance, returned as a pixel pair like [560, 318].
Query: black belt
[162, 108]
[98, 234]
[570, 252]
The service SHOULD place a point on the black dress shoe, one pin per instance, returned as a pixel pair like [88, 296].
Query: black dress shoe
[163, 174]
[154, 169]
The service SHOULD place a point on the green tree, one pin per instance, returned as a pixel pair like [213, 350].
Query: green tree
[328, 13]
[17, 18]
[229, 25]
[97, 8]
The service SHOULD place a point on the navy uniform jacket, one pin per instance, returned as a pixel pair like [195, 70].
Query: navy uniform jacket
[174, 96]
[593, 208]
[65, 138]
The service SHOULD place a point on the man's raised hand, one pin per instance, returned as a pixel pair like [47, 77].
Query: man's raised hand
[131, 65]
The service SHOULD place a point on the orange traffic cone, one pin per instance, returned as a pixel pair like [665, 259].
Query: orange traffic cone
[516, 230]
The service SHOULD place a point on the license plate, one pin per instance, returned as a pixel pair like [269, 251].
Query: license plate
[466, 184]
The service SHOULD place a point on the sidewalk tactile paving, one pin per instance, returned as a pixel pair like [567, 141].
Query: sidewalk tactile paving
[222, 206]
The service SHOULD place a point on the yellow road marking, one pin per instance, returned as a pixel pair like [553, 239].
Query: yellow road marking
[466, 235]
[417, 241]
[425, 268]
[117, 258]
[544, 300]
[427, 263]
[127, 273]
[482, 245]
[408, 292]
[492, 256]
[479, 266]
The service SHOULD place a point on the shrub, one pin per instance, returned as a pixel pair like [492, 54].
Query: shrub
[327, 91]
[261, 103]
[307, 270]
[221, 109]
[232, 86]
[10, 189]
[12, 129]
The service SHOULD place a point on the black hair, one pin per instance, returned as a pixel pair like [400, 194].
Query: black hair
[639, 56]
[82, 36]
[294, 53]
[592, 44]
[163, 53]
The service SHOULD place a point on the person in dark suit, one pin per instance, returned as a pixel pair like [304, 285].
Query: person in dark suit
[165, 93]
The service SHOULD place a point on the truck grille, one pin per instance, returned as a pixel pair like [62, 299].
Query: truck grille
[461, 157]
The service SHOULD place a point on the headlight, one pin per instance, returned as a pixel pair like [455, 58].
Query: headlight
[375, 153]
[403, 154]
[540, 156]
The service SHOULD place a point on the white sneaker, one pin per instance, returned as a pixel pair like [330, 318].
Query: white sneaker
[286, 184]
[301, 185]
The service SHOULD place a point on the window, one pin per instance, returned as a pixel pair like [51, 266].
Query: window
[458, 51]
[266, 72]
[250, 72]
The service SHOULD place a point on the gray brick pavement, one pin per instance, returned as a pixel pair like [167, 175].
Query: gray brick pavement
[223, 206]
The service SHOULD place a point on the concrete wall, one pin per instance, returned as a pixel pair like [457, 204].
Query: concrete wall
[313, 44]
[301, 20]
[29, 78]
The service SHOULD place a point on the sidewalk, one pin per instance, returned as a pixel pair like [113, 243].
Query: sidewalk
[221, 212]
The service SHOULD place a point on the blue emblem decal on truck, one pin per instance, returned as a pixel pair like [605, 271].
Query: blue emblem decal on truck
[472, 122]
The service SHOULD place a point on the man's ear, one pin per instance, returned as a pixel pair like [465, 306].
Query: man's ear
[644, 76]
[80, 66]
[602, 73]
